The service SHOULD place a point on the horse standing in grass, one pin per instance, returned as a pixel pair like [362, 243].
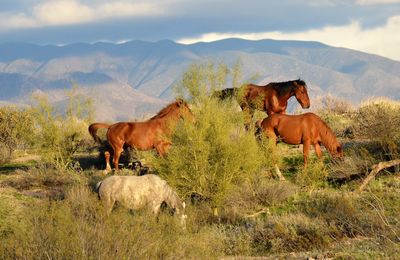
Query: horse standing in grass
[136, 192]
[151, 134]
[307, 129]
[271, 98]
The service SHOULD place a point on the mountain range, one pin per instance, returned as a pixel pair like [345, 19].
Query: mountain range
[134, 79]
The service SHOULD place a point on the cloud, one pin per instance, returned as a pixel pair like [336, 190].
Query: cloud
[376, 2]
[383, 40]
[68, 12]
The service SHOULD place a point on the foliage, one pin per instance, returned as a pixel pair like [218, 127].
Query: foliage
[378, 120]
[209, 157]
[213, 155]
[201, 79]
[312, 176]
[60, 134]
[15, 130]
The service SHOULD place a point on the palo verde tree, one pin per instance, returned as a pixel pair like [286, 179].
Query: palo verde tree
[209, 157]
[60, 133]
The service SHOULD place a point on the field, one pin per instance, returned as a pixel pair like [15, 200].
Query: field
[236, 205]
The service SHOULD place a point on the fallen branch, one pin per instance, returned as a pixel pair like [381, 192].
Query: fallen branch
[376, 169]
[266, 211]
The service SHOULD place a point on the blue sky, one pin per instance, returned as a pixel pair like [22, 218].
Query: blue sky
[368, 25]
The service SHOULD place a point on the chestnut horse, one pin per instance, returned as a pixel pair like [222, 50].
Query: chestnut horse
[151, 134]
[271, 98]
[307, 129]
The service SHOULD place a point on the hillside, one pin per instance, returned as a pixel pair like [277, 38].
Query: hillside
[133, 79]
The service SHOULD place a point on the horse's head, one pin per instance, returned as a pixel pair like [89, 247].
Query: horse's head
[338, 153]
[300, 91]
[184, 110]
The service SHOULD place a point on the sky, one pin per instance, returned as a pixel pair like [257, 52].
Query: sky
[371, 26]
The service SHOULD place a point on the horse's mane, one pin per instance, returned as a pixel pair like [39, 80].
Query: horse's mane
[166, 110]
[173, 199]
[285, 87]
[328, 137]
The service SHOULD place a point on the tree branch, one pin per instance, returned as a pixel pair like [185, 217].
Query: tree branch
[376, 169]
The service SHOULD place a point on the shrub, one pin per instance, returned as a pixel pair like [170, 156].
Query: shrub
[253, 198]
[209, 157]
[289, 233]
[213, 155]
[378, 120]
[338, 114]
[60, 134]
[350, 215]
[312, 176]
[15, 130]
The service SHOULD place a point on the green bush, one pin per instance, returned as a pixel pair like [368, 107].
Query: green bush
[312, 176]
[16, 130]
[209, 157]
[60, 134]
[213, 155]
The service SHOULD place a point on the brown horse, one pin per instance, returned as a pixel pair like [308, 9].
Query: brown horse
[307, 129]
[271, 98]
[151, 134]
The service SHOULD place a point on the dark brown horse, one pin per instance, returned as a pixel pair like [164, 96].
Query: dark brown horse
[151, 134]
[307, 129]
[271, 98]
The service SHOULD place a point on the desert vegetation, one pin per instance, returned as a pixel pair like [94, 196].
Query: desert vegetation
[236, 206]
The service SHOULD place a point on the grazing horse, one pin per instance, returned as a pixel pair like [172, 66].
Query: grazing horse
[136, 192]
[307, 129]
[151, 134]
[271, 98]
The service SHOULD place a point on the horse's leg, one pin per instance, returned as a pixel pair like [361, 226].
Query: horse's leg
[108, 166]
[117, 152]
[109, 204]
[162, 148]
[306, 149]
[271, 135]
[318, 151]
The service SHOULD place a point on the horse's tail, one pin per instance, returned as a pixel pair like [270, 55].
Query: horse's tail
[225, 93]
[93, 130]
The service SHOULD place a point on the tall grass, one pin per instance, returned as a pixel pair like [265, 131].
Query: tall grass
[78, 228]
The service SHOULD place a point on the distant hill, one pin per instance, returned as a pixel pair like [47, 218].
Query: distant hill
[135, 79]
